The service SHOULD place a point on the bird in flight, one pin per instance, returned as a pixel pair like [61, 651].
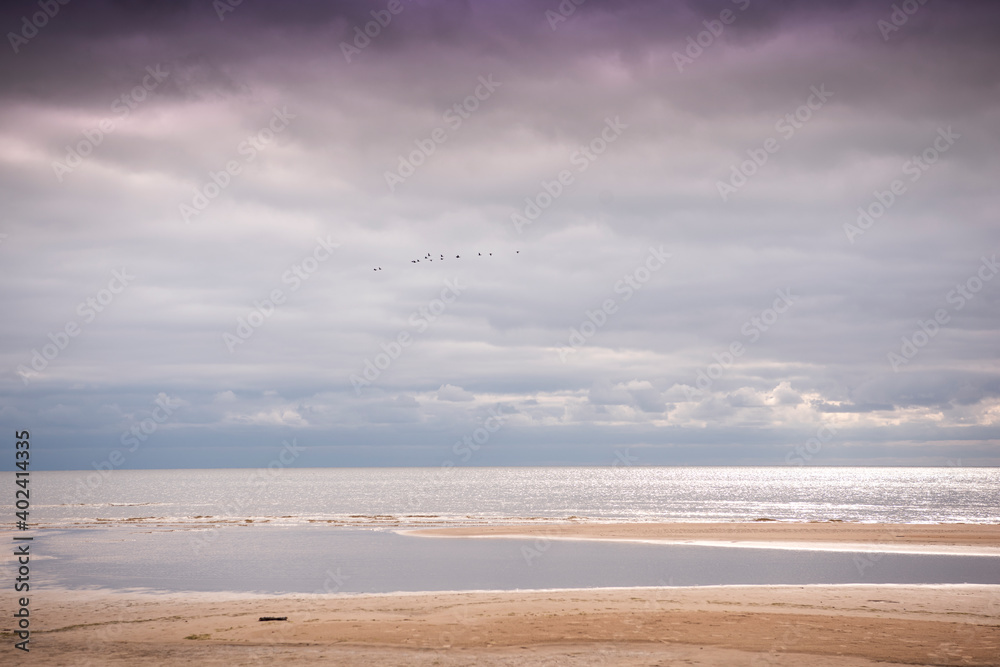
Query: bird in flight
[430, 258]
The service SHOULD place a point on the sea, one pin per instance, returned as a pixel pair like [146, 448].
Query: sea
[458, 495]
[339, 531]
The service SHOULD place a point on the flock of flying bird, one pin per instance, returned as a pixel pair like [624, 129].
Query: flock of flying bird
[430, 258]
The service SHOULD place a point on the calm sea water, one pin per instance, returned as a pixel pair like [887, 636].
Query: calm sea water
[328, 530]
[320, 559]
[422, 496]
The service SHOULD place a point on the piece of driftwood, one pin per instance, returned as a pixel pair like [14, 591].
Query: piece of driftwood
[273, 618]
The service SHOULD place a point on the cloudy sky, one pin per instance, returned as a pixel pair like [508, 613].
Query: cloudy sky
[727, 232]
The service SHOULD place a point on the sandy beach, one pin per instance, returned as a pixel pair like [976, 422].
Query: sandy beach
[913, 538]
[849, 625]
[822, 625]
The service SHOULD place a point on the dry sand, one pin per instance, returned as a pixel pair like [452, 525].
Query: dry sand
[740, 625]
[728, 625]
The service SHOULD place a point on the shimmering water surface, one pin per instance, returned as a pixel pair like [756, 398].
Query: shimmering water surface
[330, 530]
[415, 496]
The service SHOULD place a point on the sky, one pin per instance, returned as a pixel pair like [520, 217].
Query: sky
[663, 233]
